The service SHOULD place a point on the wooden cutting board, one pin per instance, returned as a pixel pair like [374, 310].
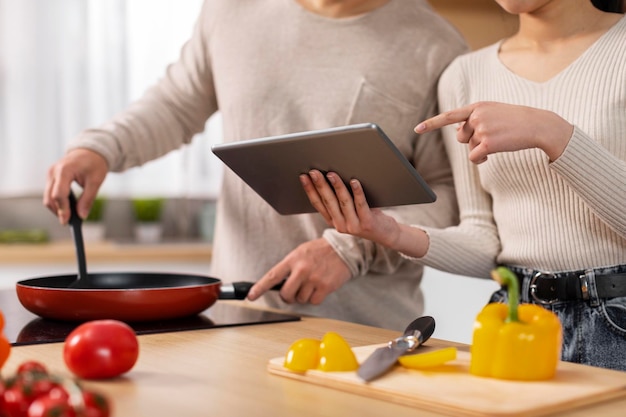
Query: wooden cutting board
[450, 389]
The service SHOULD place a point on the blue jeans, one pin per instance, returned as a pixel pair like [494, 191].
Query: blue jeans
[594, 331]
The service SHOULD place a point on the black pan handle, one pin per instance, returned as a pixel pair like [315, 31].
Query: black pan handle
[239, 290]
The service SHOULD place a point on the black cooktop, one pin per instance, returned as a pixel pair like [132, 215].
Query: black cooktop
[24, 328]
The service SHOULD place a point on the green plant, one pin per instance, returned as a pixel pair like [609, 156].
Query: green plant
[97, 210]
[147, 209]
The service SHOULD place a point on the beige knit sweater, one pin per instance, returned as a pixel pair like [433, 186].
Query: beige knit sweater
[271, 68]
[518, 208]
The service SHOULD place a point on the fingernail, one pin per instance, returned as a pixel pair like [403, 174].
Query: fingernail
[331, 178]
[420, 127]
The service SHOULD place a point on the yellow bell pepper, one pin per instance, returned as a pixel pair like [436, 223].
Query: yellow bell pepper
[516, 342]
[5, 346]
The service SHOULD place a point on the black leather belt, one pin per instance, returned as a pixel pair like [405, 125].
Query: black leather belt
[549, 288]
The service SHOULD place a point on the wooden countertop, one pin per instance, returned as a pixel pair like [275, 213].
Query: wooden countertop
[63, 251]
[223, 372]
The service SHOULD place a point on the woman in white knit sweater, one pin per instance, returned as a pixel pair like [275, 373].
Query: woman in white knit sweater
[541, 179]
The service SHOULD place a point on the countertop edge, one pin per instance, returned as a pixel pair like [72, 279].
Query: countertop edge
[106, 251]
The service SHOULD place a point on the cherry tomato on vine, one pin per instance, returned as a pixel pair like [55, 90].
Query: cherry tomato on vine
[40, 386]
[32, 367]
[49, 406]
[96, 405]
[101, 349]
[34, 392]
[16, 401]
[2, 389]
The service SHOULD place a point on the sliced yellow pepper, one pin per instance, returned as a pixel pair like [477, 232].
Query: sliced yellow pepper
[429, 359]
[303, 354]
[336, 354]
[331, 354]
[516, 342]
[5, 346]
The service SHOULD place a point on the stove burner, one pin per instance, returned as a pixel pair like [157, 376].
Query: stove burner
[25, 328]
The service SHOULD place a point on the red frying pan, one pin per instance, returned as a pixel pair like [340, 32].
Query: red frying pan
[130, 297]
[122, 296]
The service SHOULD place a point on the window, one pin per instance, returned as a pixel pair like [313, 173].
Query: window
[66, 65]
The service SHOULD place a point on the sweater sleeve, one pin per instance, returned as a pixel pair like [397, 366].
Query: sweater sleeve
[597, 176]
[167, 116]
[364, 256]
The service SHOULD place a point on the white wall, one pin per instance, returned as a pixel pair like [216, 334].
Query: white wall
[454, 301]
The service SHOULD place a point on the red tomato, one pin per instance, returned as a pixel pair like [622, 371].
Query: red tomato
[101, 349]
[5, 346]
[5, 349]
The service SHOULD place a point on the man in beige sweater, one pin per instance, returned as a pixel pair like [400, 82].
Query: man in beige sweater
[279, 66]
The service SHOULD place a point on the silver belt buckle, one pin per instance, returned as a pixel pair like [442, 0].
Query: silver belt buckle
[533, 287]
[584, 284]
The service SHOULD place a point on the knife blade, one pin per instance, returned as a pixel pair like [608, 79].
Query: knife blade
[382, 359]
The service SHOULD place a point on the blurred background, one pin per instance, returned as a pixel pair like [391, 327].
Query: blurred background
[66, 65]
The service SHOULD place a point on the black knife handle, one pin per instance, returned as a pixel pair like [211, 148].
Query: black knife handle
[422, 328]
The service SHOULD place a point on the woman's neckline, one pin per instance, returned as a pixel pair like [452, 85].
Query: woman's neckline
[565, 68]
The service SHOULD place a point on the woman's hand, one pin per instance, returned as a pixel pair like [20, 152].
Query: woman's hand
[489, 127]
[350, 213]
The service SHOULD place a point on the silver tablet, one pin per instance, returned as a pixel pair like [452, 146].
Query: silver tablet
[272, 165]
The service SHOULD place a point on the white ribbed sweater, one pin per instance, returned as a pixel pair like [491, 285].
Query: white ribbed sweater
[519, 209]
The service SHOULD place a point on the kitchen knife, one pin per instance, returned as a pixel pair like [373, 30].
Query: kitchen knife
[382, 359]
